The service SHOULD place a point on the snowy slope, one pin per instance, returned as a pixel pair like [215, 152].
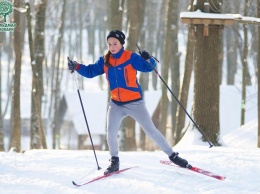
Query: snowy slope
[51, 171]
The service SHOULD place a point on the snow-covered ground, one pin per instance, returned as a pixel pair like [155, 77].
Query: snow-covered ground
[51, 171]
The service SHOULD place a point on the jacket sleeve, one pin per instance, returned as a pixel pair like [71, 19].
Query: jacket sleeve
[92, 70]
[140, 64]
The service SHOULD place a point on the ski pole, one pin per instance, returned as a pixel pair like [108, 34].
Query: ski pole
[210, 144]
[98, 167]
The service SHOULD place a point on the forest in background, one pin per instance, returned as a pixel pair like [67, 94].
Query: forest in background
[49, 31]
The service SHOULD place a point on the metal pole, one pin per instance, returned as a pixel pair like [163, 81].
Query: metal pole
[86, 121]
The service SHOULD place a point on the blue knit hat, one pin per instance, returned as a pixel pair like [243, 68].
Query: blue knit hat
[118, 35]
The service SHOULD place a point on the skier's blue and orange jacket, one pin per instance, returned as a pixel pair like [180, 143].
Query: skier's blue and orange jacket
[121, 76]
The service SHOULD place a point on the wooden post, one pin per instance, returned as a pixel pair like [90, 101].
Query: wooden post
[206, 26]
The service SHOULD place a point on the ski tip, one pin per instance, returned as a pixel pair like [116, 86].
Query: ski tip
[75, 184]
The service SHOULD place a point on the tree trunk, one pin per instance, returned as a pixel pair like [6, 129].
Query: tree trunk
[38, 139]
[35, 142]
[2, 148]
[175, 62]
[220, 55]
[206, 79]
[91, 38]
[231, 40]
[56, 118]
[144, 77]
[160, 38]
[5, 46]
[244, 73]
[165, 67]
[258, 73]
[16, 112]
[244, 67]
[101, 25]
[184, 91]
[134, 10]
[115, 14]
[115, 19]
[231, 55]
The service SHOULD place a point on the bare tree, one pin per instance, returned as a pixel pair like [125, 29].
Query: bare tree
[206, 77]
[175, 61]
[16, 111]
[38, 139]
[258, 72]
[165, 68]
[101, 26]
[2, 37]
[184, 90]
[115, 21]
[231, 40]
[244, 65]
[115, 14]
[5, 47]
[144, 77]
[135, 11]
[91, 32]
[56, 119]
[35, 140]
[160, 38]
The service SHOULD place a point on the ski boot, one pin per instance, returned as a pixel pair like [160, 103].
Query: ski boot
[179, 161]
[114, 166]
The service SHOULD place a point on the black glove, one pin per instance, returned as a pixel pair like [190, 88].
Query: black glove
[72, 65]
[144, 54]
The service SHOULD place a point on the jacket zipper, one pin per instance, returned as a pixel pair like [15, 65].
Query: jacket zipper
[126, 76]
[117, 81]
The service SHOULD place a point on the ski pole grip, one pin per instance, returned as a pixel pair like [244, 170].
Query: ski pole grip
[69, 60]
[151, 55]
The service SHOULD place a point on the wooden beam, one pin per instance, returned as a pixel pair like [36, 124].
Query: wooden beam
[255, 22]
[207, 21]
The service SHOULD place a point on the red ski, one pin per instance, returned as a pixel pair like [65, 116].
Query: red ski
[195, 169]
[102, 177]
